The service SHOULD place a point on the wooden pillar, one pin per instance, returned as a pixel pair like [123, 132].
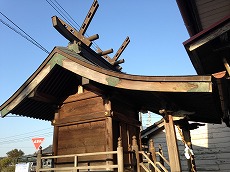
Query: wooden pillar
[39, 161]
[109, 131]
[136, 150]
[226, 65]
[55, 133]
[171, 140]
[161, 152]
[187, 140]
[120, 157]
[153, 152]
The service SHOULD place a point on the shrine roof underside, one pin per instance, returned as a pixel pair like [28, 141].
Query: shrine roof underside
[65, 69]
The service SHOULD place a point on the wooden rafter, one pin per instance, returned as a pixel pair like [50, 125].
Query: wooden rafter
[71, 33]
[114, 61]
[73, 36]
[120, 50]
[89, 17]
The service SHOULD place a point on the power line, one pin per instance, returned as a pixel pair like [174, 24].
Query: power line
[23, 139]
[24, 34]
[68, 14]
[23, 134]
[59, 11]
[26, 136]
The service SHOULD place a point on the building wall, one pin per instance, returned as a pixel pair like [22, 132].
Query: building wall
[81, 128]
[211, 146]
[211, 11]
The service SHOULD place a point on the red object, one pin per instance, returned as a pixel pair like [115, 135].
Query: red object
[37, 142]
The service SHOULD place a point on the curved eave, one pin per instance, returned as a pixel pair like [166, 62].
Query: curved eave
[69, 61]
[206, 50]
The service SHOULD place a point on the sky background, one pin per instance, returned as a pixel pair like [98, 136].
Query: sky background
[155, 28]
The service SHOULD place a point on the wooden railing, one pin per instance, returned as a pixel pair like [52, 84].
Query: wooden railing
[149, 160]
[140, 159]
[151, 163]
[119, 165]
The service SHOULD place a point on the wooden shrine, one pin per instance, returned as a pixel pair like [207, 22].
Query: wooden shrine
[92, 104]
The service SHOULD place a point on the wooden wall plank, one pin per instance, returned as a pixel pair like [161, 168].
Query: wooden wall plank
[82, 107]
[83, 96]
[82, 138]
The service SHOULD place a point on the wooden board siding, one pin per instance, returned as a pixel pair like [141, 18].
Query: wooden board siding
[82, 138]
[82, 127]
[83, 109]
[211, 146]
[125, 124]
[211, 11]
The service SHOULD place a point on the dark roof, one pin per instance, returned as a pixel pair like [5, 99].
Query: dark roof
[62, 71]
[48, 150]
[208, 48]
[208, 24]
[199, 15]
[153, 128]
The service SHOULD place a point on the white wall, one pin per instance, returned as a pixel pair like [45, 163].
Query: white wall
[211, 146]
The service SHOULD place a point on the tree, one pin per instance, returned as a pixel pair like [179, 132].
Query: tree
[14, 155]
[7, 164]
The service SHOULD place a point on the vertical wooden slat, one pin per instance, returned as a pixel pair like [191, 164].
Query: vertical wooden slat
[187, 139]
[172, 144]
[120, 160]
[152, 151]
[136, 150]
[55, 133]
[39, 161]
[109, 131]
[109, 141]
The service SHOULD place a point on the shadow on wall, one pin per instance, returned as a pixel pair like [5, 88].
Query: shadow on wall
[211, 147]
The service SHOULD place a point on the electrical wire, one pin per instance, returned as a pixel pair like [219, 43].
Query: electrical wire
[23, 34]
[23, 134]
[26, 136]
[57, 9]
[68, 14]
[68, 19]
[9, 141]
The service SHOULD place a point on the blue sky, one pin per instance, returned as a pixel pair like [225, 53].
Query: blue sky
[155, 28]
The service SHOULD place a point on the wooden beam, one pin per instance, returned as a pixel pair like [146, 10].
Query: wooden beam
[209, 37]
[171, 140]
[89, 17]
[69, 32]
[121, 49]
[105, 56]
[226, 65]
[164, 84]
[42, 97]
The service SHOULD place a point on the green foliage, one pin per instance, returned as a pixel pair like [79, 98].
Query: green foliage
[4, 164]
[14, 155]
[7, 164]
[8, 169]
